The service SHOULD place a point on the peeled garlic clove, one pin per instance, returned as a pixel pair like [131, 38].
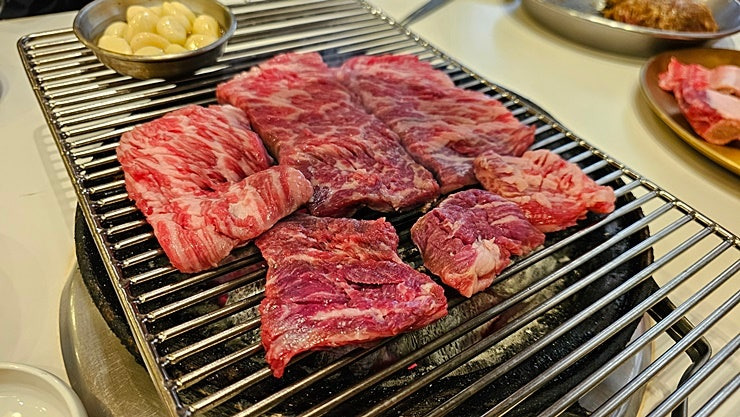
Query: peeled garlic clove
[145, 21]
[174, 48]
[114, 44]
[149, 51]
[183, 9]
[133, 11]
[116, 29]
[143, 39]
[184, 21]
[198, 41]
[170, 28]
[206, 25]
[169, 9]
[156, 10]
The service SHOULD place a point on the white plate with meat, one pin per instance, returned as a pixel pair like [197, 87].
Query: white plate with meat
[666, 107]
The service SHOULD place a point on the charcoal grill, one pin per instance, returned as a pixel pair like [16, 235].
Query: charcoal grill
[204, 360]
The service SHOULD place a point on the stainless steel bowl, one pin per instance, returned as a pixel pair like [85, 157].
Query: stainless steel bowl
[91, 21]
[582, 22]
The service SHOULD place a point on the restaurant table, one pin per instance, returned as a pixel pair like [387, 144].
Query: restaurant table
[594, 93]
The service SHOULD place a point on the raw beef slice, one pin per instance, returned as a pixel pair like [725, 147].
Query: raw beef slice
[708, 98]
[442, 126]
[311, 122]
[553, 193]
[203, 180]
[470, 238]
[334, 282]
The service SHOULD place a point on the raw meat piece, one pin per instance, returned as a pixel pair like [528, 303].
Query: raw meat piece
[553, 193]
[334, 282]
[247, 208]
[191, 150]
[724, 78]
[311, 122]
[707, 98]
[189, 249]
[203, 180]
[470, 237]
[442, 126]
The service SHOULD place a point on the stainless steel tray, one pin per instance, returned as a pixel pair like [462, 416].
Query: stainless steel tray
[582, 21]
[88, 107]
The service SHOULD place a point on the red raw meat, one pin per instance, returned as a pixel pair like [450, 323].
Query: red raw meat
[442, 126]
[334, 282]
[553, 193]
[707, 98]
[203, 180]
[311, 122]
[470, 237]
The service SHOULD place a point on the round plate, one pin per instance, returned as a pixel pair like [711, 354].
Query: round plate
[30, 391]
[582, 22]
[666, 107]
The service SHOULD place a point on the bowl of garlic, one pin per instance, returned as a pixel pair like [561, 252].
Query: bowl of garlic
[155, 39]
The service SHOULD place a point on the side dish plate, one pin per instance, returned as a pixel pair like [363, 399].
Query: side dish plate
[581, 21]
[666, 107]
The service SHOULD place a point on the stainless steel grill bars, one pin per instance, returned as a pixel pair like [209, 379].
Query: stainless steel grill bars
[719, 398]
[711, 366]
[630, 350]
[636, 313]
[175, 323]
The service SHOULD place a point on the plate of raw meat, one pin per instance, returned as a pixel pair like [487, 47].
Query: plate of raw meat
[705, 129]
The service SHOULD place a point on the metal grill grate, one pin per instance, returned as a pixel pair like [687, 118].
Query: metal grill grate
[204, 357]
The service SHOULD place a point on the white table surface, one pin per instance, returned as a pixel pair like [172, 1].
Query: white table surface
[595, 94]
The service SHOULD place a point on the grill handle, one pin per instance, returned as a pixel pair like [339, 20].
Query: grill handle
[699, 352]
